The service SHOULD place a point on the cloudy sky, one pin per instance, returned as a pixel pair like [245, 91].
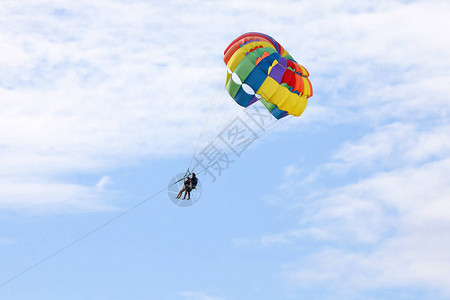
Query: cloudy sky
[102, 103]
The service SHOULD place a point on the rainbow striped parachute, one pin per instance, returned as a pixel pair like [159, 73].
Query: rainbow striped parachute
[258, 68]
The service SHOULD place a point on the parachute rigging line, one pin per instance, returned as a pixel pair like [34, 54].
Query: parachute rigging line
[201, 133]
[277, 123]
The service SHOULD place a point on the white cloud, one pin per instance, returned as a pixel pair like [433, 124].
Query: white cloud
[86, 87]
[32, 195]
[387, 231]
[389, 226]
[395, 144]
[110, 88]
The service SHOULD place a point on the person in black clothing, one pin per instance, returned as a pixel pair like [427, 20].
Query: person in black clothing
[192, 186]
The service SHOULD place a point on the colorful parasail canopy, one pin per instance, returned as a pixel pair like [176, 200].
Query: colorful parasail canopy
[259, 68]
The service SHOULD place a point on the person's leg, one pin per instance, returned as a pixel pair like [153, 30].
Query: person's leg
[181, 192]
[189, 195]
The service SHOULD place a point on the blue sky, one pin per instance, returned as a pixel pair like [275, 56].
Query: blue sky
[102, 103]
